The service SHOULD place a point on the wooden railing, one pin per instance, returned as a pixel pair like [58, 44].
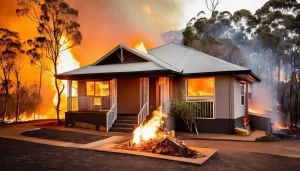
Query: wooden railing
[143, 114]
[111, 116]
[89, 103]
[204, 108]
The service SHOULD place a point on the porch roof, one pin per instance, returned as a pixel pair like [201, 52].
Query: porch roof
[113, 69]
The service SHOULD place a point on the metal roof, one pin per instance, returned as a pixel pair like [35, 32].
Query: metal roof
[190, 61]
[115, 68]
[169, 57]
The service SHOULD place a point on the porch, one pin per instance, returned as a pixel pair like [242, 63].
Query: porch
[118, 104]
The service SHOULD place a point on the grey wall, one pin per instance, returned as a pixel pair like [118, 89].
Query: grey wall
[222, 97]
[239, 110]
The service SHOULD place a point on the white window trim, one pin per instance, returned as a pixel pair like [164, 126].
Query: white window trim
[201, 98]
[197, 98]
[241, 94]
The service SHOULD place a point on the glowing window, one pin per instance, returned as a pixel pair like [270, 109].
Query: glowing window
[90, 88]
[102, 88]
[201, 87]
[97, 101]
[74, 89]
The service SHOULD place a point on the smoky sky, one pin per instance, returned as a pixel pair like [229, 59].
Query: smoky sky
[107, 23]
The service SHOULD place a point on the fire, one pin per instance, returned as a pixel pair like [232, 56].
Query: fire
[66, 62]
[24, 117]
[149, 131]
[140, 47]
[278, 126]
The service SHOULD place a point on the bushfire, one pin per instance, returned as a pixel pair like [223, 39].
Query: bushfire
[66, 62]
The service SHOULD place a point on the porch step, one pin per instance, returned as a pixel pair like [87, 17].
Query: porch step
[120, 129]
[124, 123]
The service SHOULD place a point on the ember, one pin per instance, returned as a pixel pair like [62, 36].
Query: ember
[152, 137]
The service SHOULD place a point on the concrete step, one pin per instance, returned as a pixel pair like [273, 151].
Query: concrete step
[124, 125]
[119, 129]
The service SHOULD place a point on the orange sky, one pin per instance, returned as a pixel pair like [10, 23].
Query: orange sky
[104, 24]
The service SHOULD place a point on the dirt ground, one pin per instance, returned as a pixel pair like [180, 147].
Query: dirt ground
[21, 155]
[61, 135]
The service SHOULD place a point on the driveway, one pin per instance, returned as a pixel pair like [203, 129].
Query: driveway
[22, 155]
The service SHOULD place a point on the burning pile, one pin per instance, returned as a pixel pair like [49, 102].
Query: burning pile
[152, 137]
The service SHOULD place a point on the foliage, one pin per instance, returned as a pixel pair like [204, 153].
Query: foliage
[267, 42]
[10, 48]
[186, 112]
[57, 25]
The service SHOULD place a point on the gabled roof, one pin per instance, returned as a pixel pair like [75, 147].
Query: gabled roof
[143, 55]
[171, 57]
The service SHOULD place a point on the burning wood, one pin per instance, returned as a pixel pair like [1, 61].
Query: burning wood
[170, 146]
[152, 137]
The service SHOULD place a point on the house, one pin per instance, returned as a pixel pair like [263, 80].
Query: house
[122, 88]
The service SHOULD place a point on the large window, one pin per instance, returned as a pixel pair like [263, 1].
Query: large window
[97, 89]
[201, 87]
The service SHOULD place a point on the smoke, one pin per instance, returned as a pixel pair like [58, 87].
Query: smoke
[104, 24]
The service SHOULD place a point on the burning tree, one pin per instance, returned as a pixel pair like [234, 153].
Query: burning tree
[10, 48]
[57, 24]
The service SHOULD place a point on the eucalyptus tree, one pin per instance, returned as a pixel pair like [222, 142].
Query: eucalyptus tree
[10, 46]
[57, 23]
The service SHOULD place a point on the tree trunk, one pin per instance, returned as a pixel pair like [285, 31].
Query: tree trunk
[17, 103]
[291, 90]
[5, 108]
[59, 92]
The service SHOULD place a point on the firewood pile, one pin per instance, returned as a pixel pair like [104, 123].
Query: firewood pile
[167, 146]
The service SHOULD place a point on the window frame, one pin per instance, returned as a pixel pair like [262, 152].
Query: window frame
[204, 98]
[244, 93]
[94, 96]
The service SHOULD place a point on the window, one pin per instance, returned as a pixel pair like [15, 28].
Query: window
[242, 94]
[90, 89]
[201, 87]
[74, 89]
[97, 89]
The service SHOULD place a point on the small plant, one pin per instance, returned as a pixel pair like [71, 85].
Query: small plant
[181, 109]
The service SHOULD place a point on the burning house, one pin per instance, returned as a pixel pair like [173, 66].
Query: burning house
[125, 86]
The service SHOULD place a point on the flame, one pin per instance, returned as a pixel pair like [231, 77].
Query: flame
[149, 131]
[24, 117]
[66, 62]
[140, 47]
[278, 126]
